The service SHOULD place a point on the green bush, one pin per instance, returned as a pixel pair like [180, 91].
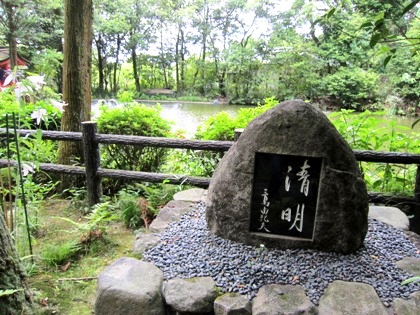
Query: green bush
[222, 126]
[132, 119]
[140, 203]
[125, 96]
[192, 162]
[369, 131]
[23, 111]
[352, 88]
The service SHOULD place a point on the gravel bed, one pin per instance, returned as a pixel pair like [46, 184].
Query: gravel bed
[188, 249]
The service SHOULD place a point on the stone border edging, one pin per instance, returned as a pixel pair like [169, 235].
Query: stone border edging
[199, 295]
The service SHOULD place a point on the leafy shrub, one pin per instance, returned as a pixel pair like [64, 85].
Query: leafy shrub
[140, 203]
[192, 162]
[130, 210]
[133, 119]
[222, 126]
[352, 88]
[125, 97]
[23, 111]
[369, 131]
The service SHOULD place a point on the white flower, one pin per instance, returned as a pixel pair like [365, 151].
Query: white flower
[26, 169]
[21, 89]
[37, 81]
[59, 105]
[39, 115]
[10, 78]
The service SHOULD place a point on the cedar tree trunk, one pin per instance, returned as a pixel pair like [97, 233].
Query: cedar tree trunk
[76, 79]
[12, 277]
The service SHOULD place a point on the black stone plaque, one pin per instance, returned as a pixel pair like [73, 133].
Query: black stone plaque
[285, 194]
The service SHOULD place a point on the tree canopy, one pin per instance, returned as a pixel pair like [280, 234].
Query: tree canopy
[351, 54]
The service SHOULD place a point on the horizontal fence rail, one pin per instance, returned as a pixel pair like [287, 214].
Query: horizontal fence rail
[93, 172]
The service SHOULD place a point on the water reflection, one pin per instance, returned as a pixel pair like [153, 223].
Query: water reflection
[188, 116]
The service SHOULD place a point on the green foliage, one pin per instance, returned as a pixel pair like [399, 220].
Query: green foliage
[56, 255]
[48, 62]
[192, 162]
[130, 209]
[222, 126]
[96, 219]
[411, 280]
[8, 105]
[9, 292]
[133, 119]
[140, 203]
[218, 127]
[125, 97]
[368, 131]
[352, 88]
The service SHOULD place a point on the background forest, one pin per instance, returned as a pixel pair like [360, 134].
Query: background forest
[349, 54]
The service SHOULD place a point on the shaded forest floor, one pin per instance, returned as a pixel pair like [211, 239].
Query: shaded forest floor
[69, 287]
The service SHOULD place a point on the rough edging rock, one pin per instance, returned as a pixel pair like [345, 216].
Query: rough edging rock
[233, 304]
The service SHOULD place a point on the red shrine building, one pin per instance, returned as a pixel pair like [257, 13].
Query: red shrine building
[5, 59]
[5, 63]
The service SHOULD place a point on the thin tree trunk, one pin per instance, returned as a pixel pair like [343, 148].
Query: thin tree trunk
[178, 84]
[12, 277]
[116, 64]
[135, 71]
[11, 37]
[99, 48]
[182, 61]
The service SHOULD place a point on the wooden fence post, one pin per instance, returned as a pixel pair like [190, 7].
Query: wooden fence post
[92, 162]
[415, 222]
[237, 134]
[417, 185]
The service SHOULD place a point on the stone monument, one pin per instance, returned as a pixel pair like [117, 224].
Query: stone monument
[290, 181]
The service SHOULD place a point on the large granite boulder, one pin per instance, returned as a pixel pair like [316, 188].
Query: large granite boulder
[130, 286]
[296, 134]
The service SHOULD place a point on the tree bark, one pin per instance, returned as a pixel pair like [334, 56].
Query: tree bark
[12, 277]
[135, 70]
[115, 69]
[76, 78]
[11, 36]
[99, 48]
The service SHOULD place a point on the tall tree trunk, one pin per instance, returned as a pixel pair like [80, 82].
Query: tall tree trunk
[135, 70]
[182, 60]
[76, 78]
[11, 37]
[99, 49]
[177, 57]
[117, 60]
[12, 277]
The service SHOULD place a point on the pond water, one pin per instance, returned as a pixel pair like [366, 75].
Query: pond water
[187, 116]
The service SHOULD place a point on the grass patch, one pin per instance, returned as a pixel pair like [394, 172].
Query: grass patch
[67, 260]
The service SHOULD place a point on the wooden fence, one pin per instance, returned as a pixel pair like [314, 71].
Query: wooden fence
[93, 172]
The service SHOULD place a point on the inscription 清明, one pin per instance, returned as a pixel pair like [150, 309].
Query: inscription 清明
[285, 194]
